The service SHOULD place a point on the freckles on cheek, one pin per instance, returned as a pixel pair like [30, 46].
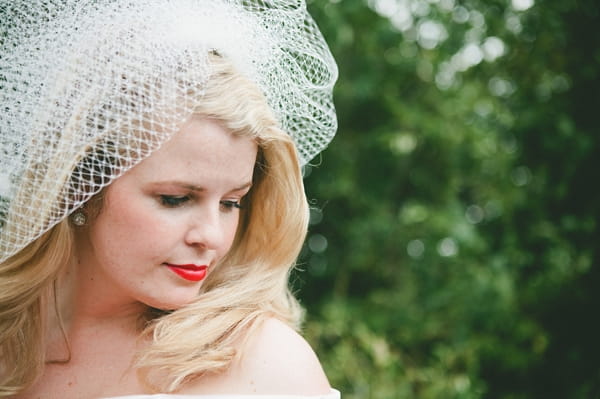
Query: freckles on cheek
[126, 214]
[230, 239]
[125, 228]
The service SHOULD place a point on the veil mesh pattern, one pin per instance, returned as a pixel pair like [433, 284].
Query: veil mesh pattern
[90, 88]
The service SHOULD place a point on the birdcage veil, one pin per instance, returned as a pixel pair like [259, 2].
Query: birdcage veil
[90, 88]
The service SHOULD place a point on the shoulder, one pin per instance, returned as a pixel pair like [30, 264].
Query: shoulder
[273, 359]
[279, 360]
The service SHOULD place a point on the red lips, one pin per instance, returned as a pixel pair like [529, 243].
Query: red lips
[189, 272]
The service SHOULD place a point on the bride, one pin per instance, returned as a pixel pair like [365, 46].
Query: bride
[151, 197]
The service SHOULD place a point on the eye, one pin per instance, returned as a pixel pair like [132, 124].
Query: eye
[173, 201]
[229, 205]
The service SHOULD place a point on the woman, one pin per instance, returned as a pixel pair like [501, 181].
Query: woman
[151, 201]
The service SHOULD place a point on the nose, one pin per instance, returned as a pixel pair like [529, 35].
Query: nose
[206, 230]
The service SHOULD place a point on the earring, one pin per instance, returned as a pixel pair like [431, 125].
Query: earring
[79, 218]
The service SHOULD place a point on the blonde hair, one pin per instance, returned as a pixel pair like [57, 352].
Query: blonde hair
[249, 284]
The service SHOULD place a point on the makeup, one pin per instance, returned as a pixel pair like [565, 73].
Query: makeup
[189, 272]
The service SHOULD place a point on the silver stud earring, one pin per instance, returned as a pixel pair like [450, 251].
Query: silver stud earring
[79, 218]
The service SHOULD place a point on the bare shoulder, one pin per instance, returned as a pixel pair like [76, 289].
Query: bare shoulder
[278, 360]
[274, 359]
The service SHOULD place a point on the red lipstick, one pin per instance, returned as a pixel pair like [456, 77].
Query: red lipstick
[189, 272]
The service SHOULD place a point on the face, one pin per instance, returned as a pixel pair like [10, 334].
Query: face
[166, 223]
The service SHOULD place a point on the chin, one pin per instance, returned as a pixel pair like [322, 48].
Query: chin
[170, 303]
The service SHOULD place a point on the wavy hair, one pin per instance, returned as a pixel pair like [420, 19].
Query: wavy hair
[249, 284]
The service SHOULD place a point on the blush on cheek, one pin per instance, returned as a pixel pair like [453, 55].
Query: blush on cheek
[125, 211]
[231, 238]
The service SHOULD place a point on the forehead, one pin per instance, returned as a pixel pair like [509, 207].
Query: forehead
[202, 150]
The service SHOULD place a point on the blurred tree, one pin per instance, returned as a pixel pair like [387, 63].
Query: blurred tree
[452, 250]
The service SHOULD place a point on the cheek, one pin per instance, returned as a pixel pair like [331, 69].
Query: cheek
[125, 229]
[230, 230]
[124, 220]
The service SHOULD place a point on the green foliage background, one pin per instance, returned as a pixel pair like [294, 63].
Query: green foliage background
[453, 243]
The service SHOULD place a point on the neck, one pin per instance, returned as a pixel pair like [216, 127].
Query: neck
[71, 328]
[77, 307]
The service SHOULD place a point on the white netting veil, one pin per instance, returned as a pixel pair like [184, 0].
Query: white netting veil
[90, 88]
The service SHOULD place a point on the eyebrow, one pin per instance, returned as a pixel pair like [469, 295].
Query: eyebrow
[193, 187]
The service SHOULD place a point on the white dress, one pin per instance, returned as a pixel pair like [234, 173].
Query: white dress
[331, 395]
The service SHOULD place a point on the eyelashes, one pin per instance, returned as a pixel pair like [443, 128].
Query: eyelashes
[231, 205]
[176, 201]
[173, 201]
